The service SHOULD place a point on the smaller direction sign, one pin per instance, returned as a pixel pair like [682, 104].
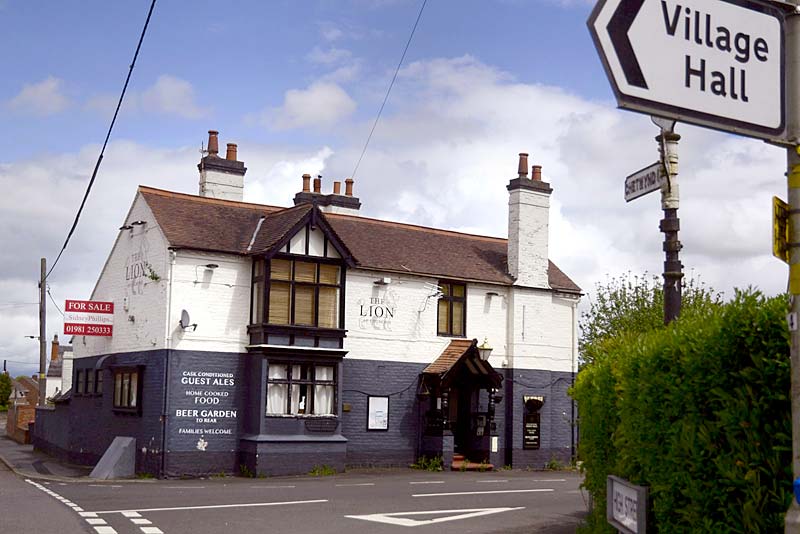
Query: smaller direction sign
[88, 318]
[645, 181]
[780, 229]
[626, 506]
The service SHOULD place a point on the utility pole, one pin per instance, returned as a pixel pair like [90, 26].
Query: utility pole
[42, 334]
[670, 224]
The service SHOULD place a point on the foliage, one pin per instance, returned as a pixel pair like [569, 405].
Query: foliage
[633, 303]
[696, 411]
[429, 464]
[322, 471]
[554, 465]
[5, 388]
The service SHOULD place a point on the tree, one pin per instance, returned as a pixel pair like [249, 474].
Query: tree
[633, 304]
[5, 388]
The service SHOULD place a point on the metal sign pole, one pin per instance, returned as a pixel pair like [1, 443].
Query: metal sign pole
[670, 224]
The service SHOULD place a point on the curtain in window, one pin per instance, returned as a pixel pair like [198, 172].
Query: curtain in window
[134, 390]
[444, 316]
[328, 307]
[323, 394]
[458, 318]
[304, 305]
[279, 302]
[276, 393]
[117, 389]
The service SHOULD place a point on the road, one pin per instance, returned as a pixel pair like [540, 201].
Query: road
[507, 502]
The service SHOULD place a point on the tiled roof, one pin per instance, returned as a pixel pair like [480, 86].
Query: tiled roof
[449, 356]
[190, 221]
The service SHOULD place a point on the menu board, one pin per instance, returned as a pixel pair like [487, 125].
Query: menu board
[531, 431]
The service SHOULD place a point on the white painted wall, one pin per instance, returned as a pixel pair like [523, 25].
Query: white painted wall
[135, 279]
[217, 300]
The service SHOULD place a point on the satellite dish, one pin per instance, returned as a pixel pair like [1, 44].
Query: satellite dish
[666, 125]
[185, 321]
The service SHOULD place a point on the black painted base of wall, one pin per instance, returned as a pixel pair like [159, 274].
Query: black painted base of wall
[274, 458]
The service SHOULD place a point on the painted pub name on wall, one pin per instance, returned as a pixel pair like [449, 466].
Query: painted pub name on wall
[376, 312]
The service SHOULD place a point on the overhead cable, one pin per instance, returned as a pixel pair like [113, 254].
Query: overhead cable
[105, 143]
[389, 90]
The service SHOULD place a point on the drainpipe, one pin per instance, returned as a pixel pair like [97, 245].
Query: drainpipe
[572, 401]
[167, 349]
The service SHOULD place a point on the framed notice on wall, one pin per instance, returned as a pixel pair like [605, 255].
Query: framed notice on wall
[378, 413]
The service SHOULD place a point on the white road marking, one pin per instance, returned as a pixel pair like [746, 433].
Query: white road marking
[482, 492]
[211, 506]
[141, 521]
[105, 530]
[185, 487]
[96, 521]
[152, 530]
[350, 485]
[87, 514]
[397, 518]
[547, 480]
[491, 481]
[428, 482]
[103, 486]
[131, 514]
[272, 487]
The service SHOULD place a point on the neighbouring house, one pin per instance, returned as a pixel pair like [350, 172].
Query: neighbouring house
[21, 408]
[55, 383]
[269, 340]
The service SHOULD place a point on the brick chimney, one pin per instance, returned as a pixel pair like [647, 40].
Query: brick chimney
[528, 226]
[221, 178]
[54, 349]
[334, 202]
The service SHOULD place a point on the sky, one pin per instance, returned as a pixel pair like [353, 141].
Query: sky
[297, 86]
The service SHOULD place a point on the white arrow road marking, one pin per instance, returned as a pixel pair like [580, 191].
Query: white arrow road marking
[400, 519]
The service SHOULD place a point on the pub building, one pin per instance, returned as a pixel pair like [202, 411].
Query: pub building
[265, 340]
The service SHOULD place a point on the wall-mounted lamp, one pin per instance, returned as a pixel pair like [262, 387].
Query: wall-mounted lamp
[492, 294]
[211, 266]
[126, 227]
[485, 350]
[385, 281]
[137, 223]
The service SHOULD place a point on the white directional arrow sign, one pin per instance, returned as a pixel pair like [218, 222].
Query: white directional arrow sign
[403, 519]
[716, 63]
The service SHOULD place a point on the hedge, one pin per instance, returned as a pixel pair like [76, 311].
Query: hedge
[700, 413]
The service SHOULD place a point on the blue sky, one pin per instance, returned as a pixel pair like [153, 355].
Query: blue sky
[297, 86]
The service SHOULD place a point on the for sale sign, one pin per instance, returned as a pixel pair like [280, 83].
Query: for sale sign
[88, 318]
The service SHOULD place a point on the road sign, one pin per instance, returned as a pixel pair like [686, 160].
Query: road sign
[780, 229]
[88, 318]
[645, 181]
[715, 63]
[626, 506]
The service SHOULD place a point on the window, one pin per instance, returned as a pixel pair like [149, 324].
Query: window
[452, 310]
[90, 381]
[300, 389]
[80, 381]
[98, 385]
[126, 389]
[301, 293]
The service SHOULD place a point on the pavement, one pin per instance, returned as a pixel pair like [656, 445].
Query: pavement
[25, 462]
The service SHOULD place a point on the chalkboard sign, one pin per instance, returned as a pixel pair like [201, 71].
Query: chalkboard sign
[530, 431]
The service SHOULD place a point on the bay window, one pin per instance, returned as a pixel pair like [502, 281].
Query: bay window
[301, 293]
[301, 389]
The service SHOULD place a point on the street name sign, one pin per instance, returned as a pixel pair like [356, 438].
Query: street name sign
[645, 181]
[714, 63]
[88, 318]
[626, 506]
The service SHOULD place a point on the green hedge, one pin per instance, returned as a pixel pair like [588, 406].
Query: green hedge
[700, 413]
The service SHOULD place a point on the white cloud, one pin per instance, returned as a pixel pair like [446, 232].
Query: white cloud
[321, 104]
[329, 56]
[41, 98]
[169, 95]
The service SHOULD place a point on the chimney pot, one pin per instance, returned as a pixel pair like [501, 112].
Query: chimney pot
[337, 188]
[213, 142]
[230, 155]
[537, 173]
[306, 183]
[318, 184]
[523, 165]
[348, 187]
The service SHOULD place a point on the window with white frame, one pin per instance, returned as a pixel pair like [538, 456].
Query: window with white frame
[301, 389]
[127, 391]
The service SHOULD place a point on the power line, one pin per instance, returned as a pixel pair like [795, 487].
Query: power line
[389, 90]
[108, 135]
[54, 302]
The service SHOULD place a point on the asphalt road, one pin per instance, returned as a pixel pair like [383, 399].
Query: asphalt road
[505, 502]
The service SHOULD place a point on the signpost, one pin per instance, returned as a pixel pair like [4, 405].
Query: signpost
[717, 63]
[720, 64]
[88, 318]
